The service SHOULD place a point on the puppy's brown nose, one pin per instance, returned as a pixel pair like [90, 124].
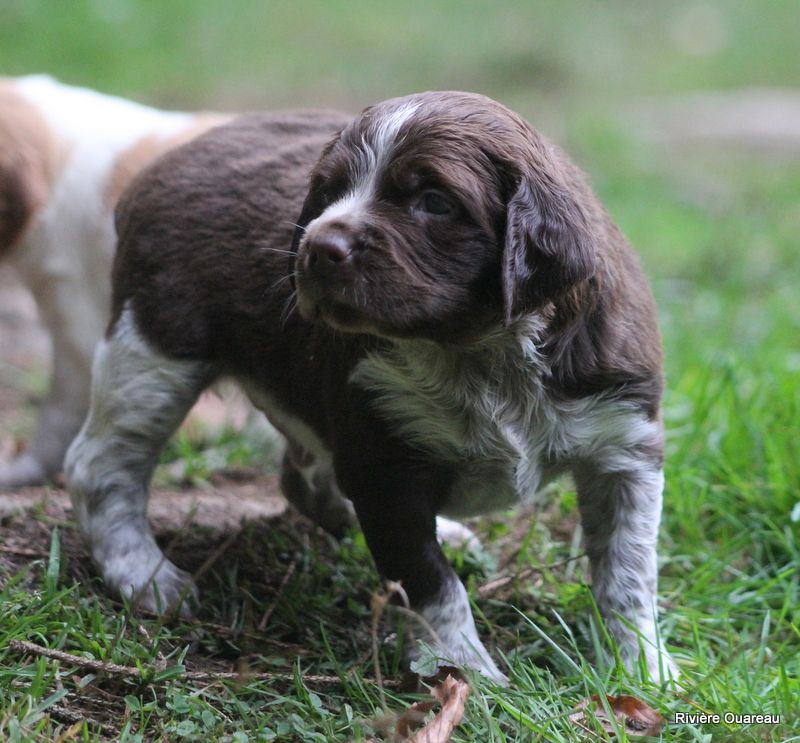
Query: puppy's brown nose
[327, 251]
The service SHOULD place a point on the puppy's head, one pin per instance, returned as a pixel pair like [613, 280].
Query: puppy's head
[439, 215]
[27, 164]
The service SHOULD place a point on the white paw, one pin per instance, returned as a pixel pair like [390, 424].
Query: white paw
[151, 582]
[455, 534]
[454, 639]
[461, 655]
[660, 666]
[644, 640]
[23, 471]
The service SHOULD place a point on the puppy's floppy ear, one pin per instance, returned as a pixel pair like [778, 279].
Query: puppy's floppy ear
[23, 189]
[548, 244]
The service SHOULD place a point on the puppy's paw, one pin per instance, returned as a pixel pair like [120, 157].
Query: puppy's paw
[322, 503]
[455, 534]
[453, 638]
[22, 471]
[336, 516]
[427, 660]
[152, 583]
[660, 666]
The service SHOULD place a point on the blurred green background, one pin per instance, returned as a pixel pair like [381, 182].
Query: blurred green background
[352, 52]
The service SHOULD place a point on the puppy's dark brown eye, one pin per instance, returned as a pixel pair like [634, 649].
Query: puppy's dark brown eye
[434, 202]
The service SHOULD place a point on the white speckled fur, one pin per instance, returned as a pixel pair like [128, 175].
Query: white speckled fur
[456, 640]
[487, 410]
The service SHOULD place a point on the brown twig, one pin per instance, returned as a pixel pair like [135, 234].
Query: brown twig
[22, 552]
[30, 648]
[487, 589]
[262, 625]
[65, 715]
[209, 562]
[379, 604]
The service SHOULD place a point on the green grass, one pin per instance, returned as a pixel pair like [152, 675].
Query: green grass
[718, 235]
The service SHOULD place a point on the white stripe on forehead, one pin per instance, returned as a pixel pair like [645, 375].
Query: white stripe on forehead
[371, 155]
[385, 132]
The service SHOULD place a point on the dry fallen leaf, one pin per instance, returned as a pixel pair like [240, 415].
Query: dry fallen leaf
[412, 719]
[451, 693]
[634, 715]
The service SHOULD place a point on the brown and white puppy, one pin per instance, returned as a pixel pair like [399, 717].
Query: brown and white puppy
[66, 154]
[456, 323]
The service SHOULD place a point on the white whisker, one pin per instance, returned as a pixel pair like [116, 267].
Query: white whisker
[266, 249]
[288, 309]
[277, 283]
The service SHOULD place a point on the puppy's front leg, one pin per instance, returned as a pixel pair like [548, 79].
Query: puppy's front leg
[395, 508]
[620, 504]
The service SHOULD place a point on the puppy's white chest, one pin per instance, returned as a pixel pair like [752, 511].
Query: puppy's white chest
[485, 414]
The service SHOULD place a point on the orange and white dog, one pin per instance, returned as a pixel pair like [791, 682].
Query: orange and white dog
[66, 155]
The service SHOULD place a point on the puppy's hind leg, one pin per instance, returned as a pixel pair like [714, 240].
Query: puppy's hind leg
[310, 486]
[138, 398]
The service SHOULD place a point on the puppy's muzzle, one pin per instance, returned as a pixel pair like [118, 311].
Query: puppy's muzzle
[330, 253]
[328, 273]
